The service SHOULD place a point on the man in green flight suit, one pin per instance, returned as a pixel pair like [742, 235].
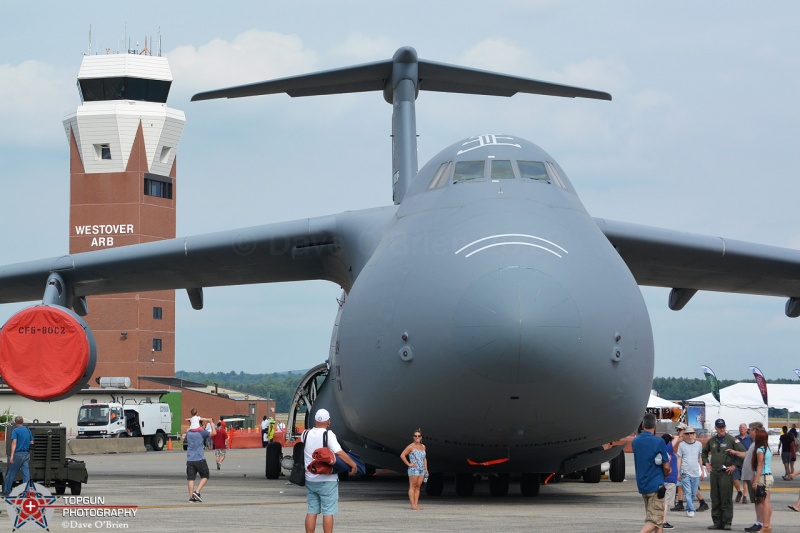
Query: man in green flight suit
[722, 467]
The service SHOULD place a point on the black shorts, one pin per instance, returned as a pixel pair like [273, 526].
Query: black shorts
[196, 467]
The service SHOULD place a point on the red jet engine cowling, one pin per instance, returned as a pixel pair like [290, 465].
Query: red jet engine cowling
[47, 353]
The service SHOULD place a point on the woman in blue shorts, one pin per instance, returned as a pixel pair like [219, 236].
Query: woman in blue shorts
[414, 458]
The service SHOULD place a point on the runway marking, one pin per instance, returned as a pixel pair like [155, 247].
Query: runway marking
[250, 504]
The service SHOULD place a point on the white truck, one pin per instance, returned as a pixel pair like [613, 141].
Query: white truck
[153, 421]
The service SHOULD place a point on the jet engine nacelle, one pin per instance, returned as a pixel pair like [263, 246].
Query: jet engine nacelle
[47, 353]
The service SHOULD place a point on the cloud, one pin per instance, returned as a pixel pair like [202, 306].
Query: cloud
[364, 48]
[34, 97]
[250, 57]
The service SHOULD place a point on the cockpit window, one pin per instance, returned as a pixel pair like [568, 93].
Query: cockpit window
[501, 170]
[440, 178]
[556, 176]
[533, 170]
[469, 171]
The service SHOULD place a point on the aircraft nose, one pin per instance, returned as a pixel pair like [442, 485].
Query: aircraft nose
[517, 325]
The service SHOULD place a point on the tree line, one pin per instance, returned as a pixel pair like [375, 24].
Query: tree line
[280, 386]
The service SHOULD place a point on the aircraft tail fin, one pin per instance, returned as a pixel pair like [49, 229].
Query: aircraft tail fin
[378, 76]
[401, 79]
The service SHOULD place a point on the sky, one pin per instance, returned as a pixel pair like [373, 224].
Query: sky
[700, 136]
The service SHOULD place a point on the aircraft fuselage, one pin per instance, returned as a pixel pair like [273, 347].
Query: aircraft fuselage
[496, 316]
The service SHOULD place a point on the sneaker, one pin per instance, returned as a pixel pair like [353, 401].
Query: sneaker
[667, 525]
[703, 506]
[196, 496]
[678, 507]
[738, 497]
[193, 499]
[690, 514]
[754, 527]
[744, 499]
[218, 469]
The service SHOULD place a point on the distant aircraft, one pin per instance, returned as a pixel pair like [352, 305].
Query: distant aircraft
[485, 306]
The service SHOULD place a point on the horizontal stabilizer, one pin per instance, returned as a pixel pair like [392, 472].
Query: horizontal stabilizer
[378, 76]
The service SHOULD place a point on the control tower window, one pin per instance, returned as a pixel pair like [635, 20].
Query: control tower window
[159, 189]
[102, 151]
[501, 170]
[533, 170]
[469, 171]
[123, 88]
[158, 313]
[156, 345]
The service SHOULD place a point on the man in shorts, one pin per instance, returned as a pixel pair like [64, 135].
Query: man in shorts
[220, 444]
[196, 460]
[322, 490]
[652, 465]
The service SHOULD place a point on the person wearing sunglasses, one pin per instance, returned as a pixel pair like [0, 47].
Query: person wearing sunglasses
[416, 461]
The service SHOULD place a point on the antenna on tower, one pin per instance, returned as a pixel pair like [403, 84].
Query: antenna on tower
[90, 40]
[159, 42]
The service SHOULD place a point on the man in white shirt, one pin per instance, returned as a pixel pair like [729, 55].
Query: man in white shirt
[690, 467]
[322, 490]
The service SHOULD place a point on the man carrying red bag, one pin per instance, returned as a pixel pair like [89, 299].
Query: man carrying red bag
[322, 490]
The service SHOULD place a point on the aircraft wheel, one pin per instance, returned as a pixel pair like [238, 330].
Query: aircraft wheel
[616, 469]
[435, 484]
[592, 474]
[274, 453]
[465, 484]
[529, 485]
[498, 485]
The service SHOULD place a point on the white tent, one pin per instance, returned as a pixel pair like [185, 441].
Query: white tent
[742, 403]
[658, 402]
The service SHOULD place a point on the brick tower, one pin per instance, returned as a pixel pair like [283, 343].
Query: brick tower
[123, 141]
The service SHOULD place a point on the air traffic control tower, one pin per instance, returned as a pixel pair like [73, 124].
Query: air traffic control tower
[123, 141]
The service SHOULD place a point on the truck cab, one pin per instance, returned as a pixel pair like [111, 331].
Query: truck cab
[101, 420]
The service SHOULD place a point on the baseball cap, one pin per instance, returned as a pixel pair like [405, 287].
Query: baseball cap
[689, 429]
[322, 416]
[720, 423]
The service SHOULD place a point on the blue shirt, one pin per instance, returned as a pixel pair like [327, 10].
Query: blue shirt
[746, 442]
[649, 475]
[673, 463]
[23, 436]
[194, 445]
[767, 459]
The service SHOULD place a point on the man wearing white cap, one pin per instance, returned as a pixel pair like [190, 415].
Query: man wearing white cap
[322, 490]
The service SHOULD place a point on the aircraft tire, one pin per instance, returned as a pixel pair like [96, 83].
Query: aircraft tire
[274, 456]
[435, 484]
[529, 485]
[465, 484]
[592, 474]
[498, 485]
[616, 470]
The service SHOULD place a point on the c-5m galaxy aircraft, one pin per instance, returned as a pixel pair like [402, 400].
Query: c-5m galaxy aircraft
[485, 297]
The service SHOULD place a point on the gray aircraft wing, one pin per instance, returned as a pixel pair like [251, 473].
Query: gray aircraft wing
[687, 261]
[314, 248]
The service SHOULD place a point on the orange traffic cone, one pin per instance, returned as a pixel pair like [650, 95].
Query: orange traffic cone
[169, 444]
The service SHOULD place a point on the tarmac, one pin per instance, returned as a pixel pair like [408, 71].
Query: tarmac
[151, 488]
